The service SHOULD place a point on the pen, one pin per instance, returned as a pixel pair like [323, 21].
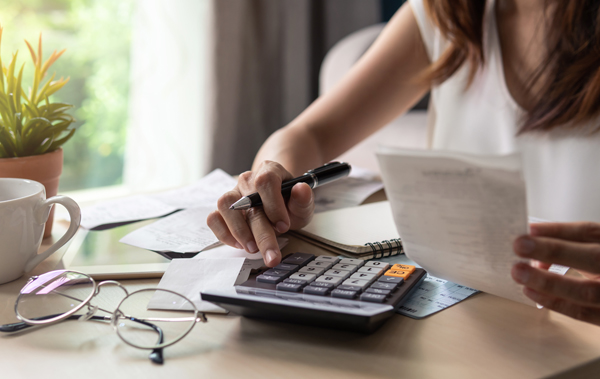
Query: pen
[314, 178]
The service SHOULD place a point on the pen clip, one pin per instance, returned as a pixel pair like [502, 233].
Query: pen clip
[326, 166]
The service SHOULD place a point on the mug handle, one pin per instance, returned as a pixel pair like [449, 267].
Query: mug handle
[42, 212]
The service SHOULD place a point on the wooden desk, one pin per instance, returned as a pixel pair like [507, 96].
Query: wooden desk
[482, 337]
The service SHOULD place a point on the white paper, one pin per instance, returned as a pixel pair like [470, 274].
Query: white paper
[124, 210]
[204, 193]
[183, 232]
[458, 215]
[347, 192]
[189, 277]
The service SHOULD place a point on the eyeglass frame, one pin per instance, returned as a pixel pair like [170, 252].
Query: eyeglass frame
[198, 316]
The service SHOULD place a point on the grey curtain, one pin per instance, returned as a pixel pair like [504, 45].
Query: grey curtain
[266, 57]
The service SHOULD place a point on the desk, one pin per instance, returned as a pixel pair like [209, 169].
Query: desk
[482, 337]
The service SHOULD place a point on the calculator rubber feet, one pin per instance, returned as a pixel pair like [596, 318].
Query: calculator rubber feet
[325, 291]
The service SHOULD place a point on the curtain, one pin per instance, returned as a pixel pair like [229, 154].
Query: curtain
[168, 94]
[264, 67]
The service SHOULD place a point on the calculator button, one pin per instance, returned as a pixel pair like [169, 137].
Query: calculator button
[390, 279]
[344, 294]
[345, 267]
[316, 283]
[350, 261]
[289, 287]
[302, 276]
[341, 273]
[400, 267]
[298, 258]
[316, 290]
[372, 297]
[378, 291]
[350, 288]
[326, 258]
[398, 274]
[273, 272]
[286, 267]
[357, 283]
[383, 265]
[269, 279]
[363, 276]
[312, 270]
[335, 280]
[296, 281]
[320, 264]
[371, 270]
[384, 286]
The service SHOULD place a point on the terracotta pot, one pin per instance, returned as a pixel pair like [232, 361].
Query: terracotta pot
[45, 168]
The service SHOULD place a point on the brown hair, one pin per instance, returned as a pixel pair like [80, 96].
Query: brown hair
[570, 92]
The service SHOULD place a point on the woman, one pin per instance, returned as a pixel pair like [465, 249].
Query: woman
[505, 76]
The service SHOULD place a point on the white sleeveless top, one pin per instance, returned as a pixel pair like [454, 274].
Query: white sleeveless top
[561, 168]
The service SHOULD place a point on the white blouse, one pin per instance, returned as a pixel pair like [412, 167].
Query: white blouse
[562, 169]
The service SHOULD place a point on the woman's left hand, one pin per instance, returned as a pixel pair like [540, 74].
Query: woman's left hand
[576, 245]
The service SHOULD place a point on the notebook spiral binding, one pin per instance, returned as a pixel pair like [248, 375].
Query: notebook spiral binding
[386, 248]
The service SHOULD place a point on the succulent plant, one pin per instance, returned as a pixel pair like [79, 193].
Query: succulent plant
[29, 123]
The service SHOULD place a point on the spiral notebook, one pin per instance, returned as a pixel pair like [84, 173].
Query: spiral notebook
[364, 232]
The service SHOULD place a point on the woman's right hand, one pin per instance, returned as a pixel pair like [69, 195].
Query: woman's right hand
[256, 229]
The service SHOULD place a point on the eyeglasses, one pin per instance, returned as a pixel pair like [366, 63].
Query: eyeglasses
[58, 295]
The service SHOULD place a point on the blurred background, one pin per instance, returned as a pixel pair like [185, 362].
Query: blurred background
[164, 91]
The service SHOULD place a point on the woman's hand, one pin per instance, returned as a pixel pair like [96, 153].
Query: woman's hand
[255, 229]
[575, 245]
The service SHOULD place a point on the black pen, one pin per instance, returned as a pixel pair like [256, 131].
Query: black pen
[314, 178]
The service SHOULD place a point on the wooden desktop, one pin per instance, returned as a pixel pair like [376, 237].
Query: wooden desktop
[482, 337]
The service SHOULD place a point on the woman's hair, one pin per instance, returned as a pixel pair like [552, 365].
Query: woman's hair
[570, 84]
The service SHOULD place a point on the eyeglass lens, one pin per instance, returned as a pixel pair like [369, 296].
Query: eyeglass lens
[141, 323]
[53, 294]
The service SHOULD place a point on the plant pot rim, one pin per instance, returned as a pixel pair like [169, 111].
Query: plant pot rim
[32, 157]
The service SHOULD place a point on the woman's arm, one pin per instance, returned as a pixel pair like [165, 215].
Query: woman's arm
[379, 87]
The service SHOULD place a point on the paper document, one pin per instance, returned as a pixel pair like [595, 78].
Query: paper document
[458, 215]
[204, 193]
[231, 267]
[191, 276]
[128, 209]
[183, 232]
[347, 192]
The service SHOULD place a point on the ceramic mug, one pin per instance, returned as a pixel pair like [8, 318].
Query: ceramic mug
[24, 210]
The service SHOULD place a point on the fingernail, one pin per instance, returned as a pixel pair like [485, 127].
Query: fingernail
[521, 275]
[270, 256]
[252, 248]
[239, 246]
[525, 246]
[281, 227]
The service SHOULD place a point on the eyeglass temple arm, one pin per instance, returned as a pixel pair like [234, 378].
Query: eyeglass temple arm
[18, 326]
[156, 355]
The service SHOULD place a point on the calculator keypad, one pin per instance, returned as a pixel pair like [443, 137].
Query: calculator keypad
[343, 278]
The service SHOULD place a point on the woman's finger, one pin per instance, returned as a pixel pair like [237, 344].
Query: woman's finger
[268, 181]
[301, 206]
[572, 231]
[577, 311]
[219, 228]
[581, 291]
[236, 222]
[584, 256]
[264, 235]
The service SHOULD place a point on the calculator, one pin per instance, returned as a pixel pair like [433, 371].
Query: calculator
[327, 291]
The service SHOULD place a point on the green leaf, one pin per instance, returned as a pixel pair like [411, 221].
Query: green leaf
[58, 143]
[44, 147]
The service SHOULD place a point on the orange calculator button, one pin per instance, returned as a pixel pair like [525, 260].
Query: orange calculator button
[410, 269]
[398, 274]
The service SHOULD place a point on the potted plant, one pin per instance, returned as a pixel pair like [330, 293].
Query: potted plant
[32, 128]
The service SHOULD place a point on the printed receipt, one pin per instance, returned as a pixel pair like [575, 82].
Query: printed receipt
[458, 215]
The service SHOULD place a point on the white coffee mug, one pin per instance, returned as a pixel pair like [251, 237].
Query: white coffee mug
[23, 214]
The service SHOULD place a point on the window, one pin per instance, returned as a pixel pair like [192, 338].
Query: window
[137, 84]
